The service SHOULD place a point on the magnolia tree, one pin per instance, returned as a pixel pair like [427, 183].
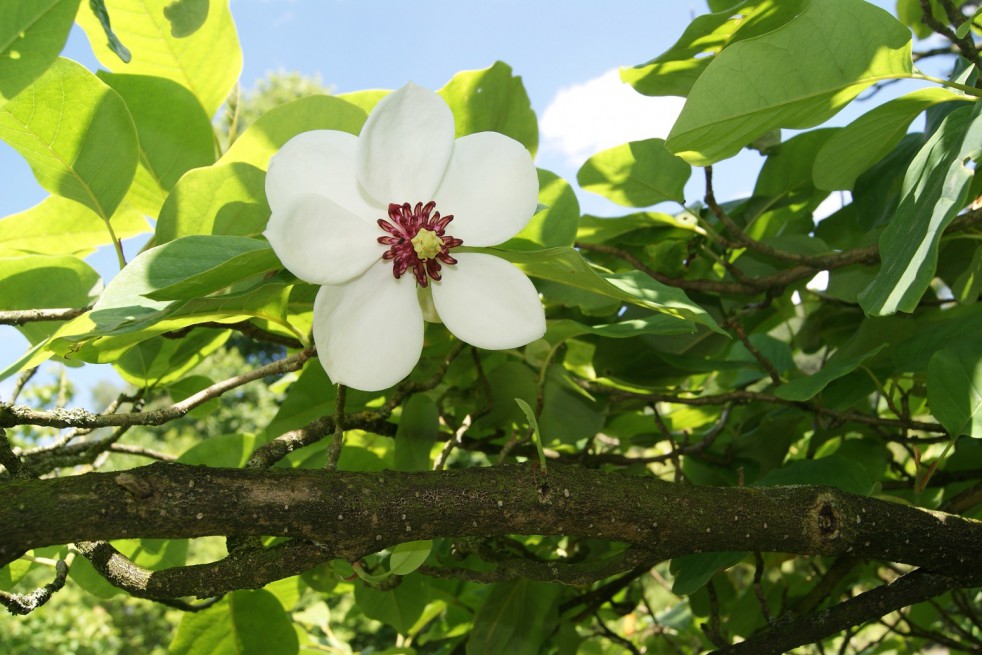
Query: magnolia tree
[503, 426]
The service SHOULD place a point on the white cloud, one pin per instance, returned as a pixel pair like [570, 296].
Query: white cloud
[583, 119]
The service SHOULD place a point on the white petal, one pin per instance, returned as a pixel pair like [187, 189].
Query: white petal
[369, 332]
[405, 145]
[321, 162]
[488, 302]
[490, 187]
[321, 242]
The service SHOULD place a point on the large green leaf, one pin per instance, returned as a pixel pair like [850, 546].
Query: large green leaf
[835, 471]
[201, 55]
[866, 140]
[59, 226]
[636, 174]
[954, 387]
[76, 134]
[175, 134]
[555, 224]
[31, 36]
[228, 200]
[673, 72]
[242, 623]
[280, 124]
[492, 100]
[795, 77]
[516, 618]
[935, 190]
[692, 572]
[594, 229]
[567, 266]
[233, 259]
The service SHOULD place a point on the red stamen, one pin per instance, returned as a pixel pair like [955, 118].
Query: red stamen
[405, 222]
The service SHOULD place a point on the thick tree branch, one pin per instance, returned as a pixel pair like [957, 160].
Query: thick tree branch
[348, 515]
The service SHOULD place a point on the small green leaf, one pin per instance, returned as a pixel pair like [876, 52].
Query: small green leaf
[954, 388]
[76, 134]
[692, 572]
[207, 61]
[795, 76]
[869, 138]
[934, 191]
[241, 623]
[98, 8]
[838, 366]
[492, 100]
[534, 425]
[409, 556]
[31, 36]
[636, 174]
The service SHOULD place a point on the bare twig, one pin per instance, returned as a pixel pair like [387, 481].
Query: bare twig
[23, 316]
[27, 603]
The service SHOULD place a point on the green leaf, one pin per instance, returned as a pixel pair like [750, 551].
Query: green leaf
[594, 229]
[76, 134]
[227, 200]
[793, 77]
[636, 174]
[207, 61]
[954, 387]
[516, 618]
[869, 138]
[492, 100]
[98, 8]
[223, 451]
[553, 226]
[534, 425]
[834, 470]
[45, 282]
[562, 329]
[242, 623]
[161, 361]
[673, 72]
[419, 425]
[59, 226]
[567, 266]
[31, 36]
[692, 572]
[233, 260]
[280, 124]
[85, 576]
[154, 554]
[175, 134]
[935, 190]
[838, 366]
[409, 556]
[399, 607]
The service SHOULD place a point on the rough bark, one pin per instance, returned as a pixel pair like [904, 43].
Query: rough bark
[348, 515]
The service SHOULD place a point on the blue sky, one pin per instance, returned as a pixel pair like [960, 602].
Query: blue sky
[566, 51]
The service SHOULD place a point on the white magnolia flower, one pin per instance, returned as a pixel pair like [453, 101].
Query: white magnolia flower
[375, 220]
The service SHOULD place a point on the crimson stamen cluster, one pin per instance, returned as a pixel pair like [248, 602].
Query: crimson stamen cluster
[406, 222]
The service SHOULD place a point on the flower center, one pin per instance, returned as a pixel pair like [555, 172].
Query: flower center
[417, 240]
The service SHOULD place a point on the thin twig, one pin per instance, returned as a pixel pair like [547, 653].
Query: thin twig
[23, 316]
[26, 603]
[334, 453]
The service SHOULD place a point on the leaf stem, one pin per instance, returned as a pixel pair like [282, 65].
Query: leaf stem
[117, 244]
[970, 90]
